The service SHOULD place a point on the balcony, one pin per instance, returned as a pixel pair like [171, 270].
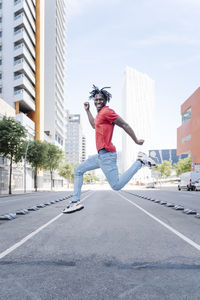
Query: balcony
[21, 35]
[26, 122]
[25, 100]
[32, 8]
[21, 66]
[24, 22]
[60, 115]
[22, 6]
[59, 127]
[22, 81]
[22, 51]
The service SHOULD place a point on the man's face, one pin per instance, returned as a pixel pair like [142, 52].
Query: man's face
[99, 101]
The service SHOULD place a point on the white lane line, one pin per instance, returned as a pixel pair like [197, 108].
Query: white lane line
[180, 235]
[32, 234]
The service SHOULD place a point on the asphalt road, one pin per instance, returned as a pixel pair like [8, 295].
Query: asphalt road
[120, 246]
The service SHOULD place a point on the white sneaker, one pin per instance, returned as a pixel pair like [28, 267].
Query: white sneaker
[146, 160]
[72, 207]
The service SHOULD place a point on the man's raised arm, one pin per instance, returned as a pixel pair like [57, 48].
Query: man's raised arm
[121, 123]
[90, 116]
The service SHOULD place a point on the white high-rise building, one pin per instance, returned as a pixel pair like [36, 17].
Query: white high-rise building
[32, 64]
[55, 66]
[75, 143]
[138, 111]
[18, 58]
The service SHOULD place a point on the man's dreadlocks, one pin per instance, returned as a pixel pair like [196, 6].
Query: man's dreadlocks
[102, 91]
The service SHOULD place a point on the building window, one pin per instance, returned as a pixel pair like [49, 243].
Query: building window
[0, 90]
[186, 138]
[16, 2]
[186, 115]
[0, 61]
[0, 75]
[0, 33]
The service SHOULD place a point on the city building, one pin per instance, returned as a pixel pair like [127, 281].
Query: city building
[32, 64]
[138, 111]
[84, 155]
[188, 134]
[166, 154]
[54, 71]
[75, 143]
[21, 73]
[8, 111]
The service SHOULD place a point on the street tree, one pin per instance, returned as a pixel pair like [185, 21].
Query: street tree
[36, 156]
[12, 135]
[67, 171]
[183, 165]
[54, 156]
[164, 169]
[88, 178]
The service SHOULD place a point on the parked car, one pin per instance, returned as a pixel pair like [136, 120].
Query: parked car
[188, 180]
[197, 185]
[150, 185]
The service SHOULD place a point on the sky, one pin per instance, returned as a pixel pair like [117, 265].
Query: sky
[158, 38]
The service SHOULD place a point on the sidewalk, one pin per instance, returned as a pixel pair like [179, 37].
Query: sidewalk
[18, 193]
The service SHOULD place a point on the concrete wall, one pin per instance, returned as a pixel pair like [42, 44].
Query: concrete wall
[6, 109]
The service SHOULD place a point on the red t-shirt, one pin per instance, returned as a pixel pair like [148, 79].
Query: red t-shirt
[104, 129]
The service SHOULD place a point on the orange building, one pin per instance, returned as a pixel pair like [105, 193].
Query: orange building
[188, 134]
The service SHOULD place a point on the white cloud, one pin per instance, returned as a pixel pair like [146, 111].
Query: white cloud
[78, 7]
[189, 2]
[183, 62]
[166, 39]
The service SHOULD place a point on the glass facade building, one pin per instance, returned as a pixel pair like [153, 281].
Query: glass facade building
[166, 154]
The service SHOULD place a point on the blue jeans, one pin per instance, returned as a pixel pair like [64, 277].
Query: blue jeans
[108, 163]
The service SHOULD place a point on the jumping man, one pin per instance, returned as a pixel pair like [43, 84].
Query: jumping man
[106, 159]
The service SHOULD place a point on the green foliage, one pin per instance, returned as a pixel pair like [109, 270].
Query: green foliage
[183, 165]
[67, 171]
[87, 177]
[164, 169]
[12, 135]
[54, 156]
[36, 154]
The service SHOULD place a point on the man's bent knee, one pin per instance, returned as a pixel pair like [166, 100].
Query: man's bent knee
[77, 171]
